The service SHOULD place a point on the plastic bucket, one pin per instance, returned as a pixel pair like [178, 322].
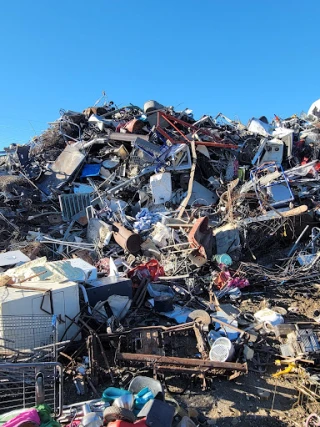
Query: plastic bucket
[140, 382]
[112, 393]
[224, 341]
[222, 350]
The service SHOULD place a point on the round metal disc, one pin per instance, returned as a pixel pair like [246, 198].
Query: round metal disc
[200, 316]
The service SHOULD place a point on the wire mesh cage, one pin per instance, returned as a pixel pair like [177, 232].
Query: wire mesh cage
[28, 338]
[25, 385]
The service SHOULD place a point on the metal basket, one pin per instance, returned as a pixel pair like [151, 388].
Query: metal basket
[29, 338]
[25, 385]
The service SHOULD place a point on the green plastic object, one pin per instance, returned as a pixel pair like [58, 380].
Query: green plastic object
[44, 412]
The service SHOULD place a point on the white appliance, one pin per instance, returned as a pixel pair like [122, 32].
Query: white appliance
[269, 151]
[62, 300]
[286, 135]
[40, 270]
[161, 187]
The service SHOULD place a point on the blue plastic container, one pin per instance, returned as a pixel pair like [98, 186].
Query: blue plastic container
[112, 393]
[223, 259]
[142, 398]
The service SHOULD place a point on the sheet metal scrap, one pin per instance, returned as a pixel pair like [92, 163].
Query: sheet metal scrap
[201, 239]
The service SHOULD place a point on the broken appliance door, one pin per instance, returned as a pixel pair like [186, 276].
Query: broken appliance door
[271, 186]
[202, 196]
[259, 127]
[179, 158]
[62, 170]
[28, 165]
[286, 136]
[269, 151]
[161, 187]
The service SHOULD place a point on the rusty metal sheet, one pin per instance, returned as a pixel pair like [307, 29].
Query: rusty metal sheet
[201, 239]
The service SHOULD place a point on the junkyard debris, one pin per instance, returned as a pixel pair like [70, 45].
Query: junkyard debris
[142, 238]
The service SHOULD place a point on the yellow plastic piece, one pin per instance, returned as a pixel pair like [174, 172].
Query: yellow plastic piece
[291, 366]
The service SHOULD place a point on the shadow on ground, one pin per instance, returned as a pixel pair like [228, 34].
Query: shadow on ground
[250, 421]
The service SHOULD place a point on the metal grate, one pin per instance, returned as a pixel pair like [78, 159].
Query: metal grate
[309, 340]
[308, 393]
[25, 385]
[72, 204]
[145, 152]
[28, 338]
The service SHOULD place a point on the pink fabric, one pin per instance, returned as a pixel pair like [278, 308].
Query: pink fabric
[30, 415]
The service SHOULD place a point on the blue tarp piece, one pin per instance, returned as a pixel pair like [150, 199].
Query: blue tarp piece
[90, 170]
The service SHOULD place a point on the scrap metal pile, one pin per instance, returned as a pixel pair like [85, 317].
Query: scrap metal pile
[137, 184]
[165, 223]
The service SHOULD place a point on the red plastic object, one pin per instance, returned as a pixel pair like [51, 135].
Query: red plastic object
[119, 423]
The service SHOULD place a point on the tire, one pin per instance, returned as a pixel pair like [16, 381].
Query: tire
[113, 413]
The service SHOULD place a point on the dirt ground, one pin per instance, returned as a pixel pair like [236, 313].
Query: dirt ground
[238, 402]
[249, 400]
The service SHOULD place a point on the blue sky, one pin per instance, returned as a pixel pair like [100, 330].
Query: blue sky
[243, 58]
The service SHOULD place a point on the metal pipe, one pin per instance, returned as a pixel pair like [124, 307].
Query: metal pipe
[185, 202]
[80, 245]
[85, 297]
[182, 276]
[125, 238]
[297, 241]
[114, 189]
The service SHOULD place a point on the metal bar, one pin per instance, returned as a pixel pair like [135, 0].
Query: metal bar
[297, 241]
[170, 119]
[182, 276]
[80, 245]
[185, 202]
[227, 325]
[164, 329]
[126, 137]
[27, 288]
[180, 361]
[181, 369]
[165, 117]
